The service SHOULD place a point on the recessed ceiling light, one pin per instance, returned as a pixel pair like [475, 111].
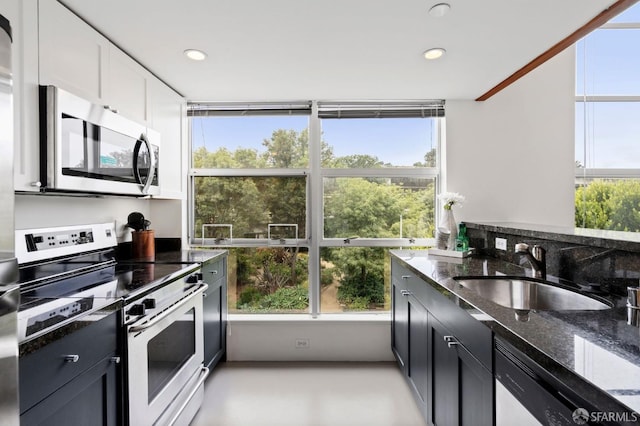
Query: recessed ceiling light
[195, 54]
[434, 53]
[439, 10]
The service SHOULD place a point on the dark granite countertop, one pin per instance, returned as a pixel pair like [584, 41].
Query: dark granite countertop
[596, 353]
[189, 256]
[180, 256]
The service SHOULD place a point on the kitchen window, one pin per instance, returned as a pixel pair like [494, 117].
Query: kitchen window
[267, 178]
[607, 129]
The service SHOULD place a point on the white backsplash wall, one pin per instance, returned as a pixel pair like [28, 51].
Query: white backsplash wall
[39, 211]
[169, 219]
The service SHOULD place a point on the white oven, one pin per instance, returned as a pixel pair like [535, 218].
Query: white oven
[165, 354]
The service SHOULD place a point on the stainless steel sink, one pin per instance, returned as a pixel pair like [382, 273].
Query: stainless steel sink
[525, 294]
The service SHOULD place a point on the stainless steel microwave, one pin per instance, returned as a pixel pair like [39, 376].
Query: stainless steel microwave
[89, 148]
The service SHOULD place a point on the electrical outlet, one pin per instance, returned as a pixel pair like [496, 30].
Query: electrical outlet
[501, 243]
[302, 343]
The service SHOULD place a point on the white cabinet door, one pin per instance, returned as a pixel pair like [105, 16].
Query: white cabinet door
[24, 21]
[72, 54]
[75, 57]
[127, 86]
[168, 112]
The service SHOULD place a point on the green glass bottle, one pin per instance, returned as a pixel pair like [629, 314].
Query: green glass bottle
[462, 241]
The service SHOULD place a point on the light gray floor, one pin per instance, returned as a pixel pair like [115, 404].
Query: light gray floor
[307, 394]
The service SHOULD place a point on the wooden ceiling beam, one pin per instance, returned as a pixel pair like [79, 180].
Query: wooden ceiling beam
[600, 19]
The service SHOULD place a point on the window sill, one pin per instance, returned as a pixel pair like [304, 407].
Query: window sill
[331, 318]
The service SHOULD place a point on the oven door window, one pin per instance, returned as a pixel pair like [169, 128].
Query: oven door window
[169, 351]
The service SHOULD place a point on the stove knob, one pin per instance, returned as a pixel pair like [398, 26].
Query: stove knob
[149, 303]
[137, 309]
[195, 278]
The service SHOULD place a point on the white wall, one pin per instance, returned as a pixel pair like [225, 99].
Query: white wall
[512, 156]
[168, 218]
[39, 211]
[330, 338]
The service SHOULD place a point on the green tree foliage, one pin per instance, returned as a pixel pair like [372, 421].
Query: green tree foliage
[362, 282]
[371, 208]
[279, 267]
[234, 201]
[429, 159]
[275, 278]
[357, 161]
[272, 279]
[287, 149]
[612, 205]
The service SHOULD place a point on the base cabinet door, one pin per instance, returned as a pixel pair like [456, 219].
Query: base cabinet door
[400, 325]
[460, 387]
[89, 399]
[443, 377]
[417, 367]
[475, 395]
[214, 307]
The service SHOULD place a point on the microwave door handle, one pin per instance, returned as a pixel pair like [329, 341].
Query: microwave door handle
[152, 164]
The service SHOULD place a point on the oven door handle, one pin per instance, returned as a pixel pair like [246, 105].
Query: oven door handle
[136, 328]
[204, 373]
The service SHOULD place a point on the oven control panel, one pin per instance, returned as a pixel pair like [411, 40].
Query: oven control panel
[43, 244]
[51, 240]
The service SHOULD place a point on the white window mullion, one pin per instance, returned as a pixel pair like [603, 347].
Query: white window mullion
[314, 210]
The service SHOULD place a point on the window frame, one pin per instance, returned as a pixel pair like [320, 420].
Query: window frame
[315, 176]
[583, 175]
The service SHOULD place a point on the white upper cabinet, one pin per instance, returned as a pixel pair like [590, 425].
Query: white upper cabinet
[167, 110]
[72, 55]
[127, 86]
[77, 58]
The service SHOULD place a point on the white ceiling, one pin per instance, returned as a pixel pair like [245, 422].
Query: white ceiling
[334, 49]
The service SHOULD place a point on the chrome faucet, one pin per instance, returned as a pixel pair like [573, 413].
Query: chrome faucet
[537, 257]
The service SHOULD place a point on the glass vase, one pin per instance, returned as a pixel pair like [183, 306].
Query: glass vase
[448, 222]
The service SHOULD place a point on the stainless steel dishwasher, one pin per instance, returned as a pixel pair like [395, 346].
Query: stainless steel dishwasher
[528, 395]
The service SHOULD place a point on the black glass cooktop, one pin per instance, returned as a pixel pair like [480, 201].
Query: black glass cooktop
[136, 277]
[55, 292]
[37, 274]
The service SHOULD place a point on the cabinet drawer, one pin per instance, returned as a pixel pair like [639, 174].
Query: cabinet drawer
[474, 335]
[409, 280]
[49, 368]
[403, 277]
[214, 271]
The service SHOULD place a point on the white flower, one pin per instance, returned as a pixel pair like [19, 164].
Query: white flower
[450, 198]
